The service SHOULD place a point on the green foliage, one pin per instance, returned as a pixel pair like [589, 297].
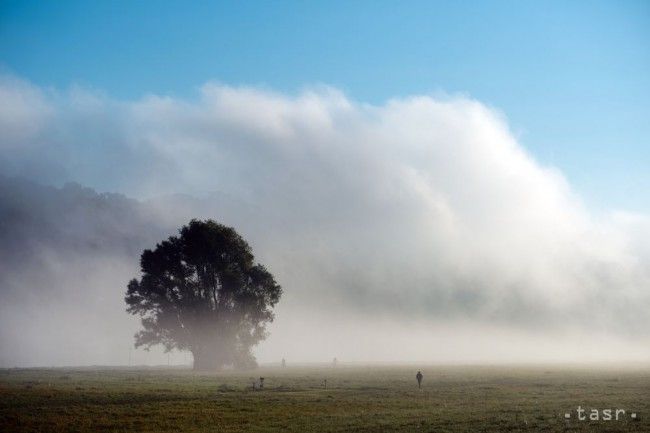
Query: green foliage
[202, 291]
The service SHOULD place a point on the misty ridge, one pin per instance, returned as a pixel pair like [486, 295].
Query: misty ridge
[419, 229]
[74, 219]
[69, 220]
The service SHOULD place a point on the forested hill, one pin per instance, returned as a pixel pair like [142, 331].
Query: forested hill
[70, 219]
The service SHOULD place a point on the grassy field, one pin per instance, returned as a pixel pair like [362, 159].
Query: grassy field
[358, 399]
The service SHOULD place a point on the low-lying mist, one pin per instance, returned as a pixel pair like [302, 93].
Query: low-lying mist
[417, 230]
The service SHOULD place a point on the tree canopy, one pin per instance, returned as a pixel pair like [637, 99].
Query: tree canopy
[202, 291]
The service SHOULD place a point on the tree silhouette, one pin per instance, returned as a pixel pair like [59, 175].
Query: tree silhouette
[201, 291]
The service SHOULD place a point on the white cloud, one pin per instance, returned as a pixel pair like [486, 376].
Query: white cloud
[24, 111]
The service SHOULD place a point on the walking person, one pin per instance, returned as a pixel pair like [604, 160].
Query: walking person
[419, 377]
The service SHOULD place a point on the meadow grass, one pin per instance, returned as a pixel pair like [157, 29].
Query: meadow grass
[296, 399]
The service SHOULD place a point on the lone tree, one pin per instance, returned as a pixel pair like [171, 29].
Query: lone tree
[201, 291]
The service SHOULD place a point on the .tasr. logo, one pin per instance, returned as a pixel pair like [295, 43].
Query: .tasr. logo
[601, 415]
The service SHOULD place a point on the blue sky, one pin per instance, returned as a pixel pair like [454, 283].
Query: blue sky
[573, 78]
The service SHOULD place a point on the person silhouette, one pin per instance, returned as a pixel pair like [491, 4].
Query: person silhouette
[284, 363]
[419, 377]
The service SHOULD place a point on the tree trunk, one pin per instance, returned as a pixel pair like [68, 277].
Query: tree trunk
[220, 352]
[207, 359]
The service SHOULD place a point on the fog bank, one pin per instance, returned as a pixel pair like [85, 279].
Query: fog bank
[419, 229]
